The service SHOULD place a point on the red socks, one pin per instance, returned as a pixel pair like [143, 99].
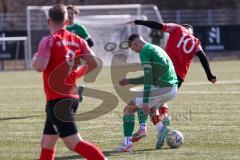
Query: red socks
[47, 154]
[163, 109]
[89, 151]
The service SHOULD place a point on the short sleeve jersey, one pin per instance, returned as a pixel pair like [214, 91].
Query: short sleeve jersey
[59, 76]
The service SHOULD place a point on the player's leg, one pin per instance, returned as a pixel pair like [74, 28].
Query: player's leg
[161, 119]
[128, 127]
[142, 131]
[48, 143]
[64, 120]
[162, 124]
[49, 137]
[156, 119]
[81, 71]
[77, 144]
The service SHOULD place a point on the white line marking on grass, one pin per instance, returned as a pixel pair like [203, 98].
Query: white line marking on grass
[111, 85]
[209, 92]
[209, 83]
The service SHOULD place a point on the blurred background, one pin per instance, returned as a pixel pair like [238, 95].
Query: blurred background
[216, 23]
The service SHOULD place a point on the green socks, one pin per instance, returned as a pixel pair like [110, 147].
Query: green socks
[128, 125]
[142, 118]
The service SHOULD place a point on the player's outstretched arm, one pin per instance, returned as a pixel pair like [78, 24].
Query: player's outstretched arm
[124, 82]
[135, 81]
[205, 63]
[150, 24]
[94, 64]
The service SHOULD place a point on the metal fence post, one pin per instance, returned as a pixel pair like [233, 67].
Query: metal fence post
[1, 21]
[178, 16]
[209, 17]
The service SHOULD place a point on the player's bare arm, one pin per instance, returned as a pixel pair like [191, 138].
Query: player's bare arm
[124, 82]
[89, 58]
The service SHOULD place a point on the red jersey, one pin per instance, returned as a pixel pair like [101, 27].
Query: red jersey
[181, 47]
[60, 75]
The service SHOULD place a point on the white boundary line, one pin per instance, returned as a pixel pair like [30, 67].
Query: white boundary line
[209, 83]
[209, 92]
[136, 88]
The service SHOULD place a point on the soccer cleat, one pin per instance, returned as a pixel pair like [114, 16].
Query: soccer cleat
[80, 93]
[163, 133]
[125, 148]
[141, 133]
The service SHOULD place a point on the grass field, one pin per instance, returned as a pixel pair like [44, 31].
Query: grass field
[208, 116]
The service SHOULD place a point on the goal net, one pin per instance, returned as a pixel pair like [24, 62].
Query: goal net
[106, 24]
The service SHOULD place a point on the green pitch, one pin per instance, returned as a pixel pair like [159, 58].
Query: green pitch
[208, 116]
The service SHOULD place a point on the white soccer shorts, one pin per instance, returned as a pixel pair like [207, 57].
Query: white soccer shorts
[158, 96]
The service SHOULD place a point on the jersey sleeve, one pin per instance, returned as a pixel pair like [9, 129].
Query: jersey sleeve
[138, 80]
[170, 27]
[41, 58]
[44, 47]
[82, 32]
[198, 48]
[147, 68]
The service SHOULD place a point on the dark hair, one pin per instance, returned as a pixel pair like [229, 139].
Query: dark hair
[58, 13]
[76, 11]
[131, 38]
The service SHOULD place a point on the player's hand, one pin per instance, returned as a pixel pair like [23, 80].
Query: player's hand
[124, 82]
[131, 22]
[145, 109]
[213, 79]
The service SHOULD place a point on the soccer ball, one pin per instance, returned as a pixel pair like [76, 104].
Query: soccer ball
[175, 139]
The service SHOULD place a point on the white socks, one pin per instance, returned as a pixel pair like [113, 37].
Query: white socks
[127, 141]
[143, 126]
[159, 126]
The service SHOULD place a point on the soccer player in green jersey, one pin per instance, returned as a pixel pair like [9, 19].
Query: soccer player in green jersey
[81, 31]
[77, 28]
[160, 85]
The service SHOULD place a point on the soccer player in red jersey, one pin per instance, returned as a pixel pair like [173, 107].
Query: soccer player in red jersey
[57, 57]
[181, 47]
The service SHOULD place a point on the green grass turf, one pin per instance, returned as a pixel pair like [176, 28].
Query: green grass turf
[211, 130]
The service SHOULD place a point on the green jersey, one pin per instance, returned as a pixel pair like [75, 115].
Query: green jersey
[79, 30]
[158, 70]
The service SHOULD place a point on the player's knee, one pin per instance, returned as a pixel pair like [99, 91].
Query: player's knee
[127, 110]
[131, 108]
[70, 146]
[71, 141]
[45, 144]
[155, 119]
